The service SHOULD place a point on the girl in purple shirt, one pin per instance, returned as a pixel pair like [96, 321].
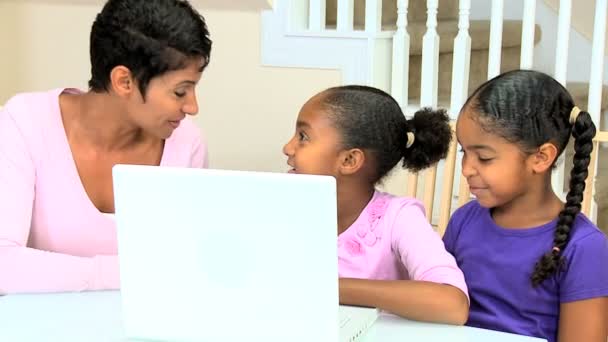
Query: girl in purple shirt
[389, 256]
[534, 265]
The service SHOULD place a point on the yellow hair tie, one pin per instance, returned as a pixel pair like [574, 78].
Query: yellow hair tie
[410, 139]
[574, 114]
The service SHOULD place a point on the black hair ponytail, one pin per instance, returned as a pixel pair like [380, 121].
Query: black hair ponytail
[371, 119]
[583, 132]
[431, 134]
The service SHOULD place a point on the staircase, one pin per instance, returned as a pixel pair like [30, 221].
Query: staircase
[479, 31]
[447, 28]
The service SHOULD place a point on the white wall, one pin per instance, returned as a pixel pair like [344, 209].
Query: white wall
[246, 110]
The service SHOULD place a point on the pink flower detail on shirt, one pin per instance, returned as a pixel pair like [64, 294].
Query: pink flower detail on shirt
[353, 247]
[375, 211]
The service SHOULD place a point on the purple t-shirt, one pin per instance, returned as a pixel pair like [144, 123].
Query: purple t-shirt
[498, 263]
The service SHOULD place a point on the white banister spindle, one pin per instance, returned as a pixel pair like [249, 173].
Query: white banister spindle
[317, 15]
[401, 56]
[346, 15]
[373, 16]
[597, 62]
[297, 17]
[430, 57]
[527, 35]
[462, 58]
[596, 87]
[561, 68]
[563, 34]
[429, 79]
[494, 59]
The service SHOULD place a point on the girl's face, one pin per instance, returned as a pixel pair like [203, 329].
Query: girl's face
[316, 145]
[497, 171]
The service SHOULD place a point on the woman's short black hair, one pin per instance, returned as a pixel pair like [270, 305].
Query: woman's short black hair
[150, 37]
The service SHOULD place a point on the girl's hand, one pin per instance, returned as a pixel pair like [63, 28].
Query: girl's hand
[416, 300]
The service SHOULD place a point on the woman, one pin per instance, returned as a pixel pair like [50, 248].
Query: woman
[57, 148]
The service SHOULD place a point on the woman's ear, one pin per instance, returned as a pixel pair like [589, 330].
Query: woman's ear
[351, 161]
[543, 159]
[122, 82]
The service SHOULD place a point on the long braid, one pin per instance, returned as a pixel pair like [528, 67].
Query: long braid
[583, 132]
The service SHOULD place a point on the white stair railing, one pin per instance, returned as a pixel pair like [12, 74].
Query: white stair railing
[527, 34]
[498, 8]
[462, 59]
[597, 61]
[428, 88]
[298, 18]
[401, 56]
[379, 50]
[563, 32]
[595, 93]
[381, 58]
[317, 15]
[460, 87]
[430, 57]
[373, 16]
[561, 68]
[346, 15]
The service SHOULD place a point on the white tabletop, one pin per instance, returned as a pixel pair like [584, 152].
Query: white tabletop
[96, 317]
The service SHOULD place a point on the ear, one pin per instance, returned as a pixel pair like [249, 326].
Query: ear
[543, 159]
[122, 81]
[351, 161]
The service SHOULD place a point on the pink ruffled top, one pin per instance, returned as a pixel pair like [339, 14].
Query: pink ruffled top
[52, 237]
[392, 240]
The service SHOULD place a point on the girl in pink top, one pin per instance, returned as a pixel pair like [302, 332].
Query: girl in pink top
[57, 148]
[389, 255]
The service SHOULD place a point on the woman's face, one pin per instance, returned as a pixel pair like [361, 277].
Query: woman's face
[169, 98]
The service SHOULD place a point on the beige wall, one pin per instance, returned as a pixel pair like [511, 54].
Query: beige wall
[247, 111]
[44, 46]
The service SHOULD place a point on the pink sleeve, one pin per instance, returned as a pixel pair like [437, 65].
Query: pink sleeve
[24, 269]
[421, 250]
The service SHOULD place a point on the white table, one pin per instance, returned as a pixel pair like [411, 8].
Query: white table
[96, 317]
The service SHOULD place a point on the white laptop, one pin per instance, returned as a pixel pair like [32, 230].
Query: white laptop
[215, 255]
